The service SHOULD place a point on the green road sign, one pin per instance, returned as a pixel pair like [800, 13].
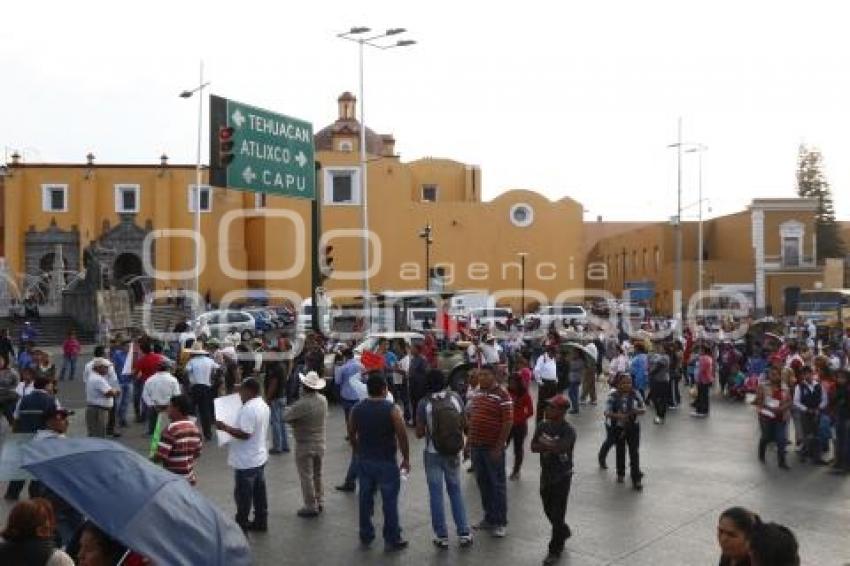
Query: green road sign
[252, 149]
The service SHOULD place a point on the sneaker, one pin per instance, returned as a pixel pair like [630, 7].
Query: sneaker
[551, 559]
[698, 415]
[347, 487]
[514, 476]
[593, 403]
[621, 479]
[657, 420]
[305, 513]
[484, 526]
[400, 544]
[582, 402]
[440, 542]
[673, 408]
[465, 540]
[499, 532]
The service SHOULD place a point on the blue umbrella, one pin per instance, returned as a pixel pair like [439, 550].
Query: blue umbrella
[148, 509]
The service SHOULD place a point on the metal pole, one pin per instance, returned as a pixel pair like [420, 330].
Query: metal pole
[522, 286]
[677, 293]
[700, 235]
[428, 258]
[198, 181]
[315, 232]
[364, 192]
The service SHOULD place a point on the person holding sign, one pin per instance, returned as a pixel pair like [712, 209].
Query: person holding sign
[248, 455]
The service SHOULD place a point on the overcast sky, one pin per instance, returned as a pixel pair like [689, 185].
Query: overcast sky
[575, 99]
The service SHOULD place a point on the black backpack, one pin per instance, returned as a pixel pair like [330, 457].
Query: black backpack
[446, 424]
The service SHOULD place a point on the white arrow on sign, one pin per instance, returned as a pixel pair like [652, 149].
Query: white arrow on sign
[301, 158]
[238, 118]
[249, 175]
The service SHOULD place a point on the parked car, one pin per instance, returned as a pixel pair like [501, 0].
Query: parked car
[263, 319]
[491, 317]
[218, 323]
[561, 315]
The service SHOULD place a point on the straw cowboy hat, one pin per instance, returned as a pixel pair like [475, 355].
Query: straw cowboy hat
[312, 380]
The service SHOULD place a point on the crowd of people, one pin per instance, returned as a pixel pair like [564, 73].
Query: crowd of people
[397, 387]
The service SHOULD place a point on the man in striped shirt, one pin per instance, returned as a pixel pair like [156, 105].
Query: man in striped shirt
[490, 420]
[180, 443]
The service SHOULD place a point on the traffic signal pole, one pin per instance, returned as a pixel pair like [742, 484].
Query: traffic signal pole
[315, 232]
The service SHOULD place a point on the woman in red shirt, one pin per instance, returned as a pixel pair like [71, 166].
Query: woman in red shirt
[523, 410]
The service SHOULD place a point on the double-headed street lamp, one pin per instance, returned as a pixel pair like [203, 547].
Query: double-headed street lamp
[425, 234]
[198, 178]
[362, 37]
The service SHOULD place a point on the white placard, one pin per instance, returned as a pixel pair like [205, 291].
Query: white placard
[226, 411]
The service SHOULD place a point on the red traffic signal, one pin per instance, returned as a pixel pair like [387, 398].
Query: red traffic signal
[225, 146]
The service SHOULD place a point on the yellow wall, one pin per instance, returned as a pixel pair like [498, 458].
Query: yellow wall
[163, 201]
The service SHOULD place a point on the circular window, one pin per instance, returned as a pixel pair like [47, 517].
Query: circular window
[522, 215]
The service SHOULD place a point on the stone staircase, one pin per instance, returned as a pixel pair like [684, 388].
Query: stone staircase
[52, 330]
[162, 317]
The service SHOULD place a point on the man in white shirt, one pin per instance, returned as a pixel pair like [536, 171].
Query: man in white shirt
[545, 369]
[158, 391]
[100, 397]
[248, 454]
[199, 369]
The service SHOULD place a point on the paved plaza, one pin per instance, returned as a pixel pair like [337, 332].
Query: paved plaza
[694, 469]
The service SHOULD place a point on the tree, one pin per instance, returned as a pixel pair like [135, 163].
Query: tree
[812, 183]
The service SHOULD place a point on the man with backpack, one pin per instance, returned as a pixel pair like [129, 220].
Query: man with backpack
[440, 420]
[659, 382]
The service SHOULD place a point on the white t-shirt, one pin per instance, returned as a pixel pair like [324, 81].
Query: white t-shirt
[96, 389]
[252, 452]
[199, 370]
[159, 389]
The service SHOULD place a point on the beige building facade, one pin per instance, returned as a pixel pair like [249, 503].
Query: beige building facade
[767, 252]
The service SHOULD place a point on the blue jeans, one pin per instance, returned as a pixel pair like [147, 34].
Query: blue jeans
[351, 474]
[383, 475]
[251, 488]
[69, 366]
[126, 383]
[279, 441]
[439, 468]
[572, 393]
[490, 475]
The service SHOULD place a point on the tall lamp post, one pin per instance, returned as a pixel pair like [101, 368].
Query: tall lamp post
[522, 256]
[677, 291]
[425, 234]
[362, 37]
[198, 177]
[699, 149]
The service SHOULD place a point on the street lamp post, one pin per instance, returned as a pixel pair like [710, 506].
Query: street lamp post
[425, 234]
[677, 292]
[522, 284]
[699, 149]
[357, 35]
[198, 179]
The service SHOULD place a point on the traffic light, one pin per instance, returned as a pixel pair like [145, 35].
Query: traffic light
[225, 146]
[326, 261]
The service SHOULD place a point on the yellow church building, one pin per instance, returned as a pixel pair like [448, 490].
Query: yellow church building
[137, 221]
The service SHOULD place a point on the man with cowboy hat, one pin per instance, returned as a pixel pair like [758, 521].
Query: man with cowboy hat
[307, 416]
[199, 369]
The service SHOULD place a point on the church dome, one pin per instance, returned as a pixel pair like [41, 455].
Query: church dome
[347, 124]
